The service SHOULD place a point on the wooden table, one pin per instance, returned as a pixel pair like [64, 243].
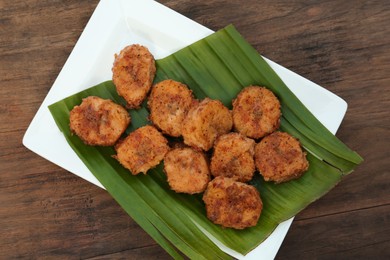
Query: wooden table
[47, 212]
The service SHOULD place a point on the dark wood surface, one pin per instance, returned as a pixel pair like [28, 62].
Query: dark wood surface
[344, 46]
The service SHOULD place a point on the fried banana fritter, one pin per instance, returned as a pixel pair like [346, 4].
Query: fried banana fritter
[133, 73]
[205, 122]
[99, 121]
[142, 149]
[233, 157]
[279, 158]
[256, 112]
[169, 103]
[232, 204]
[187, 170]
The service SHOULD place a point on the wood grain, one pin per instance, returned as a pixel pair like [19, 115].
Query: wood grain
[46, 212]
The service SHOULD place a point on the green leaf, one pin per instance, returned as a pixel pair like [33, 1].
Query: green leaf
[218, 67]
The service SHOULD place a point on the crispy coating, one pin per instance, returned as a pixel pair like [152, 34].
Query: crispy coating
[205, 122]
[142, 149]
[232, 204]
[233, 157]
[279, 158]
[187, 170]
[133, 73]
[256, 112]
[169, 103]
[99, 121]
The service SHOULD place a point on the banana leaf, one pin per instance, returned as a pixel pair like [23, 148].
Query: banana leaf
[218, 66]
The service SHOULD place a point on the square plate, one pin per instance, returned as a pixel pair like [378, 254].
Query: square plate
[115, 24]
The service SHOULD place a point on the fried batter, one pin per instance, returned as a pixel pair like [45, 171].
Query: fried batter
[169, 103]
[256, 112]
[233, 157]
[232, 204]
[205, 122]
[99, 121]
[187, 170]
[133, 73]
[279, 158]
[142, 149]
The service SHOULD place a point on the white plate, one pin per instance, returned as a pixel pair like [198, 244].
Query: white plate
[115, 24]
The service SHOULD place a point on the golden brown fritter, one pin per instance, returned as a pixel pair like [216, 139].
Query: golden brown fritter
[169, 103]
[99, 121]
[256, 112]
[187, 170]
[232, 204]
[279, 158]
[233, 157]
[133, 73]
[142, 149]
[205, 122]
